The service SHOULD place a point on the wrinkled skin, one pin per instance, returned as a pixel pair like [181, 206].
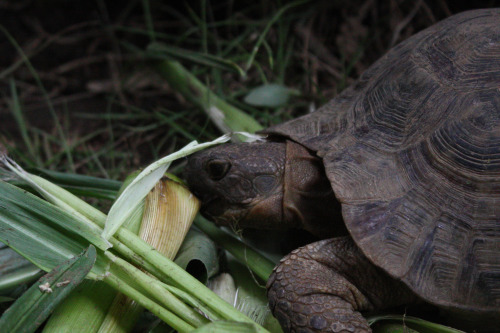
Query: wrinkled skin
[266, 185]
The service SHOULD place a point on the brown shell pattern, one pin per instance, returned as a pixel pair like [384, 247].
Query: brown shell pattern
[413, 154]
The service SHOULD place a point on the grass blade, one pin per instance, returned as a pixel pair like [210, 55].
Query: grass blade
[82, 185]
[86, 228]
[40, 85]
[88, 309]
[39, 231]
[38, 302]
[172, 53]
[149, 304]
[193, 302]
[181, 278]
[268, 27]
[16, 110]
[160, 294]
[391, 327]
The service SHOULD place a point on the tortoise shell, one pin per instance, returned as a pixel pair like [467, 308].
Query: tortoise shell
[412, 151]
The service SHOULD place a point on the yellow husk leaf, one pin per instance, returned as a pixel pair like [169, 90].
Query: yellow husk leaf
[169, 212]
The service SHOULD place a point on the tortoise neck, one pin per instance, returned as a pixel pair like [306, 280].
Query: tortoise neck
[308, 199]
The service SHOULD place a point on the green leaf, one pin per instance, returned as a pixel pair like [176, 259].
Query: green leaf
[38, 302]
[269, 95]
[39, 231]
[88, 307]
[22, 276]
[15, 270]
[85, 227]
[81, 184]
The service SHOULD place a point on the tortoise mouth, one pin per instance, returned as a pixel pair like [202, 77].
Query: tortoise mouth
[213, 207]
[218, 210]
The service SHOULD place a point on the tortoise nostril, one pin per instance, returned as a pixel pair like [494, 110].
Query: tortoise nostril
[217, 169]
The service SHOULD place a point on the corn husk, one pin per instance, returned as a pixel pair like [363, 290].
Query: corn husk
[169, 212]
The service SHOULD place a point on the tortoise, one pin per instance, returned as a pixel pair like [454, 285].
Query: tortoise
[399, 175]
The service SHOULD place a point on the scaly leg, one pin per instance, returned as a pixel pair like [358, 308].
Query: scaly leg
[323, 286]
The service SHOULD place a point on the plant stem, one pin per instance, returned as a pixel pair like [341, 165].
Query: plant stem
[162, 313]
[156, 290]
[227, 117]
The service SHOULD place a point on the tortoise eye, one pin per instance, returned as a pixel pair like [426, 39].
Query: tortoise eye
[217, 169]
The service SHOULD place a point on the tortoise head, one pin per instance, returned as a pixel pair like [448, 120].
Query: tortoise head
[239, 183]
[264, 185]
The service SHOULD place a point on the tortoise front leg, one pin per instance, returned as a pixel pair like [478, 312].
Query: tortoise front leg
[323, 286]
